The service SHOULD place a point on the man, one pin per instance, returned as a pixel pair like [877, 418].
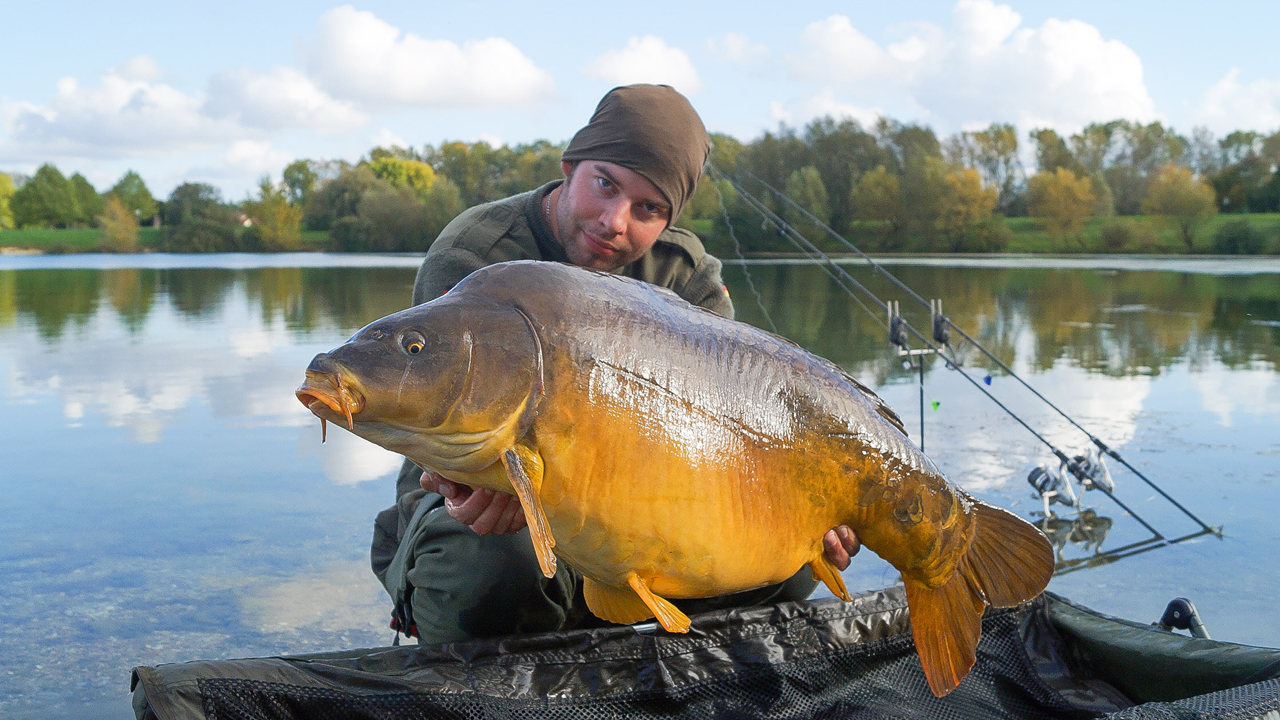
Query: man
[449, 555]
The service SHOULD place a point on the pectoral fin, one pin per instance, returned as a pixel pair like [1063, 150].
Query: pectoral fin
[826, 572]
[524, 470]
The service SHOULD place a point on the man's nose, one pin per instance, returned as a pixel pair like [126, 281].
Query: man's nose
[614, 217]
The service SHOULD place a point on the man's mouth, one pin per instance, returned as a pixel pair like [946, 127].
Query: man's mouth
[598, 246]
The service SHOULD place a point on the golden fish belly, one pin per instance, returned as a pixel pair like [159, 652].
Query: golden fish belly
[702, 513]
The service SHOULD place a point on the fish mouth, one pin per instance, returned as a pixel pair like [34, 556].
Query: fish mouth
[330, 391]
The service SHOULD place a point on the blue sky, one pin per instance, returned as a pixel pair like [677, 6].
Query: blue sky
[226, 92]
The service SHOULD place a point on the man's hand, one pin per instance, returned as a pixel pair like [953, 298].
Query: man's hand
[484, 511]
[840, 544]
[495, 513]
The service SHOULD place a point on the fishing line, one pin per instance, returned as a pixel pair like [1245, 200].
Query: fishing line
[737, 250]
[953, 362]
[837, 272]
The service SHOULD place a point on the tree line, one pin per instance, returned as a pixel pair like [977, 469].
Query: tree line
[888, 187]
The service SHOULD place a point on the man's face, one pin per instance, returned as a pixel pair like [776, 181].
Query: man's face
[607, 215]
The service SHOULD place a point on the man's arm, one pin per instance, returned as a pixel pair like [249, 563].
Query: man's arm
[441, 270]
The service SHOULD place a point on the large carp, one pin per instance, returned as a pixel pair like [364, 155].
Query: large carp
[666, 452]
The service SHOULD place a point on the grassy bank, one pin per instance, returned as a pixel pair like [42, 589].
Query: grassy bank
[1136, 234]
[85, 240]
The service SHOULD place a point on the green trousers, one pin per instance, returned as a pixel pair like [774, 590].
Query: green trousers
[452, 584]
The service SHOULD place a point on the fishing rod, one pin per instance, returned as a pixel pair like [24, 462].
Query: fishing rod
[844, 279]
[1102, 446]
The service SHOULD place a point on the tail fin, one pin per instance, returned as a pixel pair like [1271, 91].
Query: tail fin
[1008, 562]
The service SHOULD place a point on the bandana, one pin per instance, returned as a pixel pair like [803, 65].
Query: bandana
[653, 130]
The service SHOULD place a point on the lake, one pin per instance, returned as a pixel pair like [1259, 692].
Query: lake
[166, 498]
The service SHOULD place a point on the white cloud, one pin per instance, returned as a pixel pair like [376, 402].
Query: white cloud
[384, 138]
[119, 117]
[256, 157]
[822, 104]
[840, 53]
[358, 56]
[348, 459]
[282, 98]
[737, 48]
[985, 68]
[1230, 106]
[646, 59]
[142, 67]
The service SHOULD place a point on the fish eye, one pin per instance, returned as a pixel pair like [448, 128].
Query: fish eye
[412, 342]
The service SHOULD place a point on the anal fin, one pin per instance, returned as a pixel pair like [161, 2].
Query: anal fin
[617, 605]
[519, 470]
[669, 615]
[827, 573]
[946, 624]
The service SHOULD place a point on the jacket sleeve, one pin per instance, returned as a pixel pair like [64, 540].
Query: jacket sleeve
[705, 288]
[440, 271]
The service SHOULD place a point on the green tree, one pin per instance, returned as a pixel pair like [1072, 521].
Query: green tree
[6, 194]
[805, 188]
[276, 224]
[134, 195]
[339, 197]
[196, 221]
[1181, 199]
[119, 226]
[88, 201]
[1063, 199]
[1052, 152]
[46, 200]
[300, 178]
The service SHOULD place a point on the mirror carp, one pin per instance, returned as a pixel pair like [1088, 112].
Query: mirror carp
[666, 452]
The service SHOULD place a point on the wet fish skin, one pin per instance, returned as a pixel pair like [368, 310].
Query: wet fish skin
[670, 453]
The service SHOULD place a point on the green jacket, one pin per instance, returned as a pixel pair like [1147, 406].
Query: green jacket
[514, 229]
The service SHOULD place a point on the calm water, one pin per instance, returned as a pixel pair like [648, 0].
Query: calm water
[166, 498]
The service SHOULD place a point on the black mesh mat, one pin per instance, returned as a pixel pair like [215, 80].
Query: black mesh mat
[824, 659]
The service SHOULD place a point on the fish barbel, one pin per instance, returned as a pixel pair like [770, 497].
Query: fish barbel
[666, 452]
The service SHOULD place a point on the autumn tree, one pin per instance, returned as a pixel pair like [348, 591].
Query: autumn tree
[1181, 199]
[965, 204]
[413, 175]
[1063, 199]
[119, 226]
[994, 154]
[877, 198]
[6, 194]
[275, 223]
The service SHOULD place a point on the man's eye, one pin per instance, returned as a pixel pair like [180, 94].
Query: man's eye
[604, 183]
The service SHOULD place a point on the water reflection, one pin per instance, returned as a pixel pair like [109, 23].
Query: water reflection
[1105, 321]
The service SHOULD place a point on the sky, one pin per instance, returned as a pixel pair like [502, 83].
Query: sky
[226, 92]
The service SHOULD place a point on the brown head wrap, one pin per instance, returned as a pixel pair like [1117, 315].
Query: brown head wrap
[653, 130]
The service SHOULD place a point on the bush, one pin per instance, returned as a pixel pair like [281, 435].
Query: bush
[1238, 237]
[197, 221]
[1116, 236]
[988, 236]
